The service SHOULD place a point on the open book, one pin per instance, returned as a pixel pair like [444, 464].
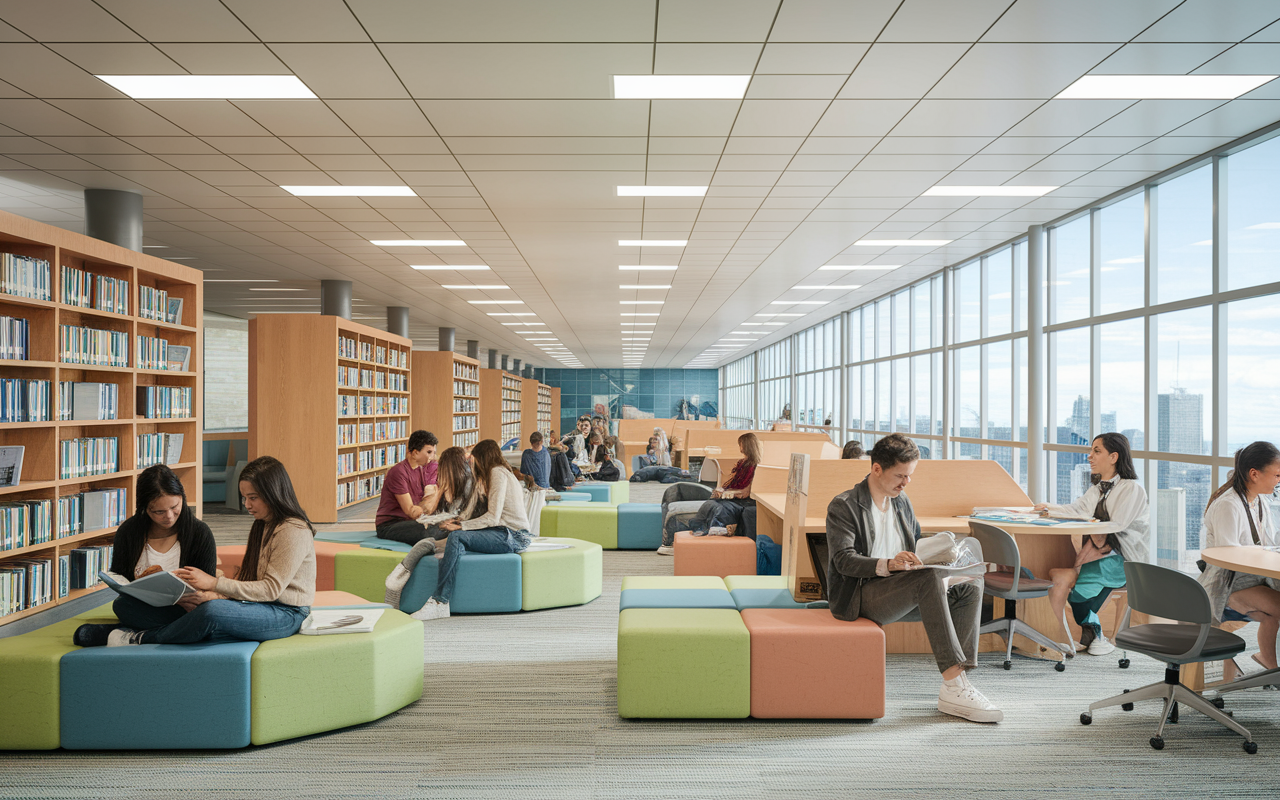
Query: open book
[158, 589]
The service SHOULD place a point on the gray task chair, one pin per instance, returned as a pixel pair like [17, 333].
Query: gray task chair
[1167, 593]
[999, 547]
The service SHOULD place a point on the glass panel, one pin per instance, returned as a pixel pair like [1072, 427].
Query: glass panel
[968, 409]
[1120, 226]
[883, 386]
[1000, 392]
[1000, 293]
[1123, 376]
[1021, 381]
[1252, 370]
[902, 395]
[924, 393]
[1184, 381]
[1071, 373]
[1070, 274]
[868, 332]
[1253, 215]
[1020, 280]
[869, 397]
[855, 398]
[1181, 495]
[920, 315]
[938, 311]
[902, 322]
[1183, 236]
[855, 336]
[968, 318]
[883, 334]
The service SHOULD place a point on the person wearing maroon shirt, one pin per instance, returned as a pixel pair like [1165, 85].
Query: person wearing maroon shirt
[729, 501]
[404, 488]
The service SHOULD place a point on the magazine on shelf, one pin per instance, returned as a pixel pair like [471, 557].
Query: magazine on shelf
[11, 465]
[179, 358]
[174, 311]
[158, 589]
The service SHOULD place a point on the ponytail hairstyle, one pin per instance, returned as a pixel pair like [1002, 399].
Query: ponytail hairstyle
[1259, 456]
[270, 480]
[750, 444]
[1118, 443]
[451, 480]
[154, 483]
[486, 457]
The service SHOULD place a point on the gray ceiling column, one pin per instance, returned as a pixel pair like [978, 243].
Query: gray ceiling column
[473, 349]
[515, 366]
[335, 299]
[115, 216]
[504, 363]
[446, 339]
[493, 358]
[398, 320]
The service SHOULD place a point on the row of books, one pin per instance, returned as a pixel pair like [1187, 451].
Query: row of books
[25, 276]
[396, 381]
[359, 489]
[348, 376]
[355, 377]
[464, 422]
[468, 371]
[398, 359]
[365, 432]
[464, 389]
[165, 402]
[91, 511]
[25, 400]
[101, 292]
[468, 439]
[466, 406]
[96, 455]
[28, 583]
[88, 401]
[511, 405]
[25, 522]
[159, 448]
[510, 430]
[156, 304]
[86, 563]
[346, 347]
[14, 332]
[94, 346]
[153, 352]
[510, 416]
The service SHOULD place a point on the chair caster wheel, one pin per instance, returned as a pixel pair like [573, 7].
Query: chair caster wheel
[1157, 742]
[1060, 667]
[1251, 747]
[1218, 702]
[1086, 718]
[1173, 715]
[1124, 663]
[1127, 706]
[1008, 665]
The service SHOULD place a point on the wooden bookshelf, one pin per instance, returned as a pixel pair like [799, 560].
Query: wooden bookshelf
[500, 399]
[48, 360]
[304, 371]
[544, 409]
[528, 407]
[446, 388]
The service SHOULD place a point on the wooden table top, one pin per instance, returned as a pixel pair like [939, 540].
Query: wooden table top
[1251, 559]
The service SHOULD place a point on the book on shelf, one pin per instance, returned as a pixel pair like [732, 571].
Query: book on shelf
[86, 563]
[159, 448]
[96, 455]
[159, 589]
[88, 401]
[153, 352]
[153, 303]
[173, 314]
[25, 276]
[164, 402]
[25, 400]
[13, 338]
[179, 358]
[11, 464]
[94, 346]
[24, 523]
[110, 294]
[25, 584]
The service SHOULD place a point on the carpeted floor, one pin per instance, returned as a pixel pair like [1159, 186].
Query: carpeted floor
[523, 706]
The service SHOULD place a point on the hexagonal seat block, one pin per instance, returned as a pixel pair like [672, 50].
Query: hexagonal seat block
[487, 584]
[589, 522]
[308, 684]
[761, 591]
[714, 555]
[344, 537]
[230, 557]
[806, 664]
[557, 578]
[639, 526]
[683, 663]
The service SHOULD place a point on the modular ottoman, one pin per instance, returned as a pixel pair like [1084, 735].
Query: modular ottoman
[721, 556]
[624, 526]
[231, 556]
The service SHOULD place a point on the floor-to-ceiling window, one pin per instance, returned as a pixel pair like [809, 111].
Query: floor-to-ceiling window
[738, 390]
[818, 374]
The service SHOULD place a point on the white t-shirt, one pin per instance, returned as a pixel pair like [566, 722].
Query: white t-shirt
[1226, 525]
[887, 541]
[166, 561]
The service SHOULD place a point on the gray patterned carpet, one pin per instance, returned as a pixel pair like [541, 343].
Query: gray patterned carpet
[523, 706]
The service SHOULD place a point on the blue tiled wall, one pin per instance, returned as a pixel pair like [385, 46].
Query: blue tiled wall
[657, 391]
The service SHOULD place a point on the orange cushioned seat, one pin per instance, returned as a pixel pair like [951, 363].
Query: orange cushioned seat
[326, 599]
[230, 556]
[806, 664]
[721, 556]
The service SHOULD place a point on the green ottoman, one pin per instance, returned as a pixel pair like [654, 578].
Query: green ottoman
[619, 492]
[363, 571]
[555, 578]
[673, 582]
[309, 684]
[590, 522]
[683, 663]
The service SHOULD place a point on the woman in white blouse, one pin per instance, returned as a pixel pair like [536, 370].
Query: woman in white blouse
[1239, 515]
[1116, 497]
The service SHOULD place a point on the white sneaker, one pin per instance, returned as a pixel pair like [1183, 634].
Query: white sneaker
[718, 532]
[666, 550]
[431, 610]
[123, 636]
[965, 701]
[1100, 646]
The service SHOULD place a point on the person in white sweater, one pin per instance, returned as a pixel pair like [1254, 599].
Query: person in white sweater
[502, 528]
[1117, 497]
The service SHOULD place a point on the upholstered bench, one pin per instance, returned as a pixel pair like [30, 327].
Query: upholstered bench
[670, 591]
[487, 584]
[590, 522]
[761, 591]
[557, 578]
[714, 555]
[31, 683]
[230, 556]
[683, 663]
[639, 526]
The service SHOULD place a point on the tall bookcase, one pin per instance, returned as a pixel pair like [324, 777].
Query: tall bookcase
[544, 408]
[501, 397]
[53, 327]
[528, 407]
[446, 388]
[330, 399]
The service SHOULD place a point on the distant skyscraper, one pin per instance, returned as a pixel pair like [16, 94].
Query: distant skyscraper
[1180, 429]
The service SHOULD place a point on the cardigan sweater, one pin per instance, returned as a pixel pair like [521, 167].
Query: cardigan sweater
[286, 569]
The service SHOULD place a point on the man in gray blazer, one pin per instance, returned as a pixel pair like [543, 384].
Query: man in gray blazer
[873, 572]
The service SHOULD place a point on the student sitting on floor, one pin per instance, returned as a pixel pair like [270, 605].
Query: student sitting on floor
[503, 528]
[605, 469]
[163, 534]
[405, 489]
[729, 500]
[872, 573]
[272, 593]
[587, 461]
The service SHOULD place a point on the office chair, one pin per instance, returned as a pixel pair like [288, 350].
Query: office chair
[998, 547]
[1169, 594]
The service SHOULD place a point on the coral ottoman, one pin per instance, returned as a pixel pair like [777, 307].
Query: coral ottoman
[761, 591]
[686, 663]
[230, 557]
[639, 526]
[589, 522]
[806, 664]
[714, 555]
[556, 578]
[340, 600]
[673, 582]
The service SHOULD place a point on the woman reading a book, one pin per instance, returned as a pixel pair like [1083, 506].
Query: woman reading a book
[272, 593]
[733, 497]
[162, 535]
[1116, 496]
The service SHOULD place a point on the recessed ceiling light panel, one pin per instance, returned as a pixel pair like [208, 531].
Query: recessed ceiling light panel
[653, 242]
[661, 191]
[680, 87]
[350, 191]
[210, 87]
[988, 191]
[1162, 87]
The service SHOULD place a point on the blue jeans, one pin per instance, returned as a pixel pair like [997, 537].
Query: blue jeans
[664, 474]
[485, 540]
[214, 621]
[721, 514]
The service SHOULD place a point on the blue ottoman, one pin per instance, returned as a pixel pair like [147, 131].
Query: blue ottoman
[143, 697]
[639, 526]
[570, 497]
[676, 598]
[599, 492]
[761, 591]
[344, 537]
[487, 584]
[374, 543]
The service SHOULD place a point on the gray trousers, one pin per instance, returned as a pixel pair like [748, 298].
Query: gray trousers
[950, 617]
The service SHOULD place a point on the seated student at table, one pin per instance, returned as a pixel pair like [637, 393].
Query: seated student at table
[1239, 515]
[1116, 496]
[272, 593]
[163, 534]
[872, 572]
[730, 499]
[852, 449]
[502, 528]
[404, 490]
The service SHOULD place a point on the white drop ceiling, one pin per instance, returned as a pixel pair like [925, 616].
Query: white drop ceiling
[499, 114]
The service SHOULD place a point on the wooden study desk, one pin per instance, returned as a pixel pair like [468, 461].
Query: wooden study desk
[1253, 560]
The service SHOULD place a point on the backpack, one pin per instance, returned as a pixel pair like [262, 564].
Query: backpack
[561, 476]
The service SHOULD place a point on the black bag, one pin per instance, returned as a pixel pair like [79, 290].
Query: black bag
[561, 476]
[608, 471]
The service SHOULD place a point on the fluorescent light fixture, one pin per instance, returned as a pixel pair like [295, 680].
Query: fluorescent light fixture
[542, 340]
[640, 302]
[514, 314]
[442, 267]
[639, 314]
[988, 191]
[835, 268]
[638, 323]
[652, 242]
[644, 286]
[273, 289]
[831, 286]
[1162, 87]
[350, 191]
[902, 242]
[522, 333]
[649, 269]
[636, 338]
[661, 191]
[750, 323]
[522, 323]
[778, 315]
[680, 87]
[473, 286]
[496, 302]
[210, 87]
[774, 323]
[241, 280]
[798, 303]
[418, 243]
[748, 333]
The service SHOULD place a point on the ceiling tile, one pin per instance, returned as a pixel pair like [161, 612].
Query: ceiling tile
[514, 71]
[1234, 119]
[778, 117]
[716, 20]
[39, 71]
[119, 117]
[831, 20]
[862, 117]
[1155, 117]
[1018, 70]
[1068, 117]
[940, 145]
[65, 21]
[692, 117]
[207, 117]
[931, 21]
[383, 117]
[1158, 59]
[810, 59]
[545, 117]
[506, 21]
[117, 58]
[700, 59]
[324, 21]
[963, 117]
[901, 70]
[91, 145]
[254, 145]
[294, 117]
[794, 87]
[200, 20]
[838, 145]
[225, 59]
[1210, 21]
[1053, 21]
[342, 70]
[1114, 145]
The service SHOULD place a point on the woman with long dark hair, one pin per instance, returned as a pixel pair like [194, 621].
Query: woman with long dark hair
[1117, 497]
[502, 528]
[162, 535]
[272, 593]
[732, 497]
[1239, 515]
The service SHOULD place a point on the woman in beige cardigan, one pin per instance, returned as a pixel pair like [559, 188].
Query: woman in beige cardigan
[276, 583]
